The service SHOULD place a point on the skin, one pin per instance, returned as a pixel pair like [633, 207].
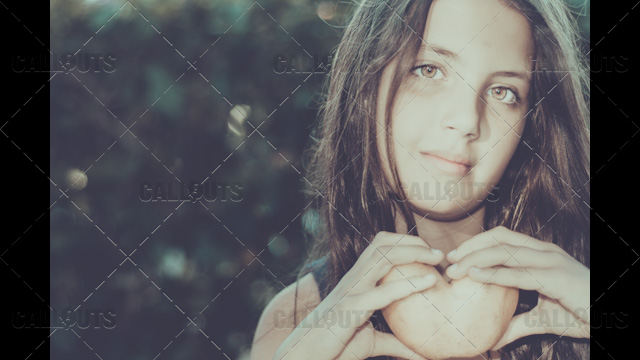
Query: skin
[466, 99]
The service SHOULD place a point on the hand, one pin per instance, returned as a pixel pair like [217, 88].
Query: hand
[354, 299]
[508, 258]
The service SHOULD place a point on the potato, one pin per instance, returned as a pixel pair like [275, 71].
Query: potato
[458, 319]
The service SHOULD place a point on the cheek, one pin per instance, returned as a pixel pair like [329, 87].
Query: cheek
[413, 124]
[499, 149]
[408, 127]
[413, 117]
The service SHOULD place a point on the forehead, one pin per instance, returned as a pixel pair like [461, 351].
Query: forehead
[479, 30]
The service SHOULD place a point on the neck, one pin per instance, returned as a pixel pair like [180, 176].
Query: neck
[445, 235]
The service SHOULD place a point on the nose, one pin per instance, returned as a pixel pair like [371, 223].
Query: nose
[463, 114]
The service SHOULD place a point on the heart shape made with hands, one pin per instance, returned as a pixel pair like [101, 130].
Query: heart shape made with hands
[458, 319]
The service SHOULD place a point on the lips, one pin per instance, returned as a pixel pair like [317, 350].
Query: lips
[449, 163]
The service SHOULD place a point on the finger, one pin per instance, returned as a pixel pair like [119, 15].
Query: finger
[505, 255]
[368, 271]
[383, 295]
[385, 238]
[496, 236]
[388, 256]
[401, 254]
[387, 344]
[390, 238]
[521, 278]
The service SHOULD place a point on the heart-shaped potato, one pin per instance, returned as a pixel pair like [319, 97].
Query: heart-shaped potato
[458, 319]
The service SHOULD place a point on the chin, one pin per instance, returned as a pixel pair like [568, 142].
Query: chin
[444, 210]
[478, 315]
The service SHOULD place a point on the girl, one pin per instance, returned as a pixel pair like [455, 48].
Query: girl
[454, 127]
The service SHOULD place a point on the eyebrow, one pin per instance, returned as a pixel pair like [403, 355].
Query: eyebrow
[513, 74]
[444, 52]
[452, 55]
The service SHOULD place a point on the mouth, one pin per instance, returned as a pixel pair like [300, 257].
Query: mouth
[448, 163]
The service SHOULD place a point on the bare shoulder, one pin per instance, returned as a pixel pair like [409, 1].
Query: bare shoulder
[277, 320]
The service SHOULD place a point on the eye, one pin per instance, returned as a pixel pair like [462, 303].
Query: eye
[428, 71]
[503, 94]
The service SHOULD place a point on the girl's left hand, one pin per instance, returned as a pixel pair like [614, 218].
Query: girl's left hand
[508, 258]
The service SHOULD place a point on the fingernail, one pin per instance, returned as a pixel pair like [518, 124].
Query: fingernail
[429, 277]
[453, 268]
[451, 254]
[437, 252]
[474, 269]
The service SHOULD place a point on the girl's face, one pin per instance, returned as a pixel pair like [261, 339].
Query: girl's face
[458, 116]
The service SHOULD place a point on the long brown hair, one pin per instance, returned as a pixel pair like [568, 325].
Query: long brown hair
[544, 191]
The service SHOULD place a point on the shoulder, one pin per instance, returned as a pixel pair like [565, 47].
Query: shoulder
[277, 319]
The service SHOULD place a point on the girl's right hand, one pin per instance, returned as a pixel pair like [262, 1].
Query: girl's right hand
[339, 327]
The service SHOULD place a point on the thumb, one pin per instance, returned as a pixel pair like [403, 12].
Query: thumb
[387, 344]
[520, 326]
